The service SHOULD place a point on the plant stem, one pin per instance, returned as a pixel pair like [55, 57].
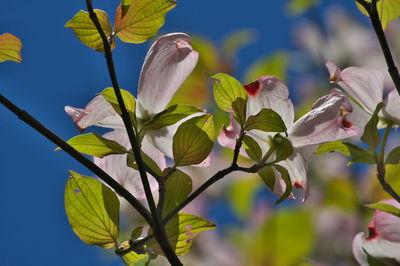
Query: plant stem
[157, 226]
[381, 169]
[372, 11]
[35, 124]
[371, 8]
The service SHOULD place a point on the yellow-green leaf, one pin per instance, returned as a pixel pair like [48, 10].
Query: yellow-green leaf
[170, 116]
[132, 258]
[142, 20]
[388, 10]
[131, 162]
[385, 207]
[226, 91]
[93, 210]
[86, 31]
[177, 187]
[10, 48]
[127, 97]
[184, 229]
[193, 140]
[95, 145]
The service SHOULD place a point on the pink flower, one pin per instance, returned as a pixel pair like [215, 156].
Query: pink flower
[366, 87]
[327, 121]
[383, 239]
[168, 63]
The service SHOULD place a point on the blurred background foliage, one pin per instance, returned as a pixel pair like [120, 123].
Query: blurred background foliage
[251, 229]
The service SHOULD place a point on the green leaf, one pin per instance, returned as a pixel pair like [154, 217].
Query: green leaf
[10, 48]
[275, 65]
[136, 233]
[267, 175]
[286, 178]
[252, 148]
[86, 31]
[227, 90]
[297, 7]
[283, 146]
[239, 107]
[177, 188]
[266, 120]
[95, 145]
[388, 10]
[286, 238]
[357, 154]
[333, 146]
[142, 20]
[132, 258]
[170, 116]
[385, 207]
[93, 210]
[193, 140]
[371, 134]
[182, 231]
[393, 156]
[127, 97]
[147, 160]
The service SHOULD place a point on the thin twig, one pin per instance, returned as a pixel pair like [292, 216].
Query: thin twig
[35, 124]
[158, 228]
[371, 8]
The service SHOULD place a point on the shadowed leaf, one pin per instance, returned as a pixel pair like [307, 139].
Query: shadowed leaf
[193, 140]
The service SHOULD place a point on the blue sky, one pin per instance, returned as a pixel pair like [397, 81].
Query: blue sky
[57, 71]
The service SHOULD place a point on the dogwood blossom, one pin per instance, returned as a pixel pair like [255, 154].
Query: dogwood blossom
[327, 121]
[167, 64]
[365, 85]
[383, 239]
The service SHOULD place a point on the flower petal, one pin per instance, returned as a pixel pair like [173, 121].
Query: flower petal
[129, 178]
[364, 84]
[97, 112]
[386, 224]
[270, 92]
[166, 66]
[327, 121]
[377, 248]
[297, 168]
[228, 135]
[391, 109]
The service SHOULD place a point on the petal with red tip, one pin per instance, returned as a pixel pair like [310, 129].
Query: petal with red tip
[327, 121]
[364, 84]
[272, 93]
[297, 168]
